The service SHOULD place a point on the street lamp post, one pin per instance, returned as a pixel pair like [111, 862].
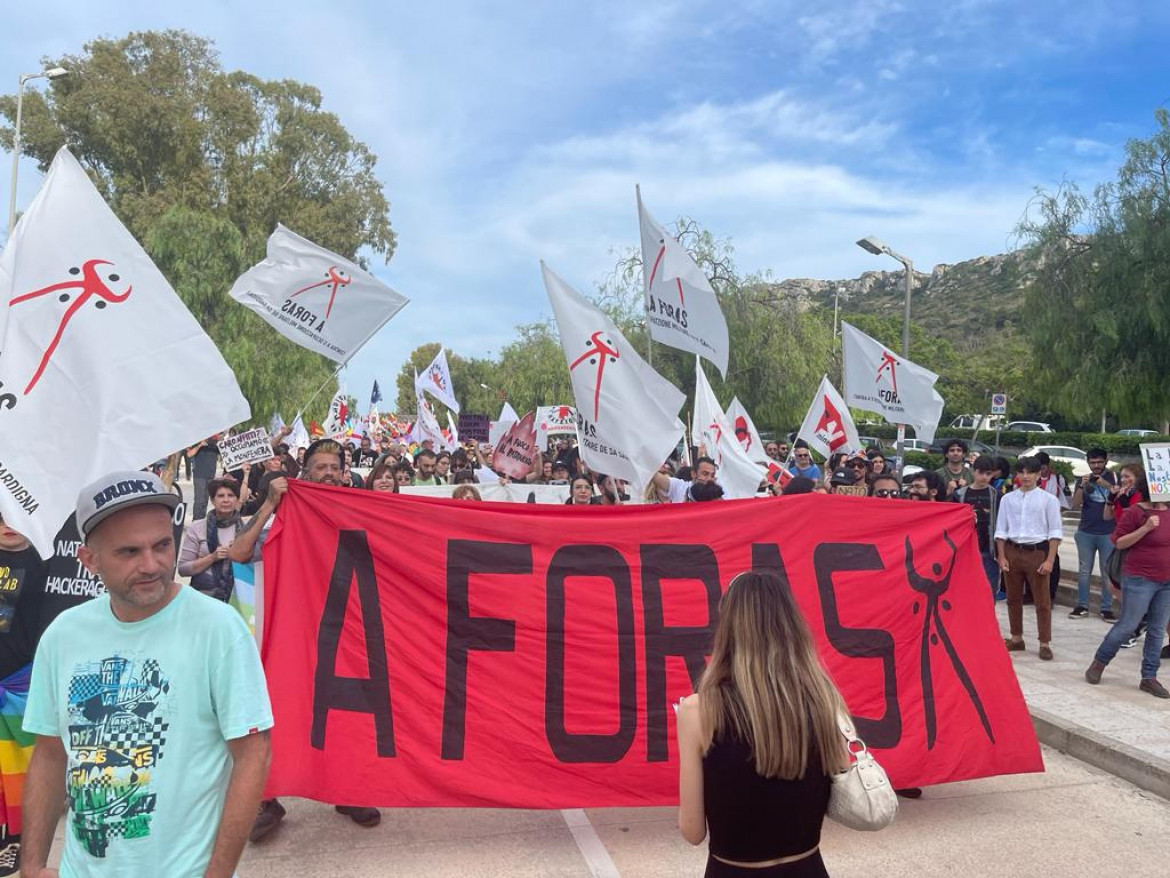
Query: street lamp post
[51, 73]
[879, 248]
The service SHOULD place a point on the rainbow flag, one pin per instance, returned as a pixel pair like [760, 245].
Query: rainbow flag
[16, 746]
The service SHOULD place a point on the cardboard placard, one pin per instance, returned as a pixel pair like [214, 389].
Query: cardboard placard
[1156, 460]
[554, 420]
[476, 427]
[516, 451]
[250, 447]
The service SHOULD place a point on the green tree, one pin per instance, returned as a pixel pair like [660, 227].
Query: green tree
[1099, 305]
[200, 164]
[532, 369]
[475, 383]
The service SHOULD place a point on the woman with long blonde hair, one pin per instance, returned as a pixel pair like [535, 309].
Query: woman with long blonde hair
[760, 739]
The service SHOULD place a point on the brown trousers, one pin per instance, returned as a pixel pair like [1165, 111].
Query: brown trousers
[1023, 564]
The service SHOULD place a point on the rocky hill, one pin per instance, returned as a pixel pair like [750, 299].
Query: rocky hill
[961, 302]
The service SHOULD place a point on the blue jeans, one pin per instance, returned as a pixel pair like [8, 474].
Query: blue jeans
[1089, 545]
[1139, 595]
[991, 568]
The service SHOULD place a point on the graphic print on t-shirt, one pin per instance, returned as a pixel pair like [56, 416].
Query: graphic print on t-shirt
[11, 579]
[118, 720]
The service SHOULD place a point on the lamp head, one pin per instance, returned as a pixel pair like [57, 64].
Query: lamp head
[56, 72]
[873, 245]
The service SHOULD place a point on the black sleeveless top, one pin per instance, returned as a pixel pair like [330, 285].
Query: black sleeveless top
[753, 818]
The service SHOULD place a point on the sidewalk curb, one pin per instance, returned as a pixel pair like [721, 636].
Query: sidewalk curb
[1137, 767]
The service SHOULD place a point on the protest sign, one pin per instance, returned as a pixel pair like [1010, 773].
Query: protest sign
[397, 623]
[1156, 460]
[516, 452]
[554, 420]
[250, 447]
[475, 427]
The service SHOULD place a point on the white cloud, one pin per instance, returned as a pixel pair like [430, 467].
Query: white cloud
[512, 133]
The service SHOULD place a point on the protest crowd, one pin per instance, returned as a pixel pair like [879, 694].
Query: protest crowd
[118, 677]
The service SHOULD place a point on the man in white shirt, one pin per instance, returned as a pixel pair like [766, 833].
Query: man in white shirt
[672, 490]
[1027, 536]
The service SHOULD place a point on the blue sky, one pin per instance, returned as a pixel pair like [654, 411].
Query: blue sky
[515, 131]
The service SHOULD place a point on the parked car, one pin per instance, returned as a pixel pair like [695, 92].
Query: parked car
[868, 442]
[1136, 432]
[976, 422]
[917, 445]
[1029, 427]
[1074, 457]
[939, 447]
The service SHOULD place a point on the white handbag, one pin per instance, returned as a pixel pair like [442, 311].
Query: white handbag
[862, 797]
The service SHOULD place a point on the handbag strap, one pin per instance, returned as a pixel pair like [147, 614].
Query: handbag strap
[853, 744]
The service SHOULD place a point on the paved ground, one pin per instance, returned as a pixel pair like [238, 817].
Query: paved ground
[1115, 708]
[1070, 821]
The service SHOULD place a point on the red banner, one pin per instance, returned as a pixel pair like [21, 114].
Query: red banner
[427, 652]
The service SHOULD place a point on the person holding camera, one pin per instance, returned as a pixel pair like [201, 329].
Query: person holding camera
[1144, 532]
[1092, 494]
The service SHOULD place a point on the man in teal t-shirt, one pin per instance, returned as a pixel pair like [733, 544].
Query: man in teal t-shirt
[150, 706]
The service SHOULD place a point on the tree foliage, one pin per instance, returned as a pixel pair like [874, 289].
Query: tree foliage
[475, 380]
[1099, 307]
[201, 164]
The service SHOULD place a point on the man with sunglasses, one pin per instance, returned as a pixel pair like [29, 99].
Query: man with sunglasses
[324, 464]
[803, 465]
[860, 466]
[885, 486]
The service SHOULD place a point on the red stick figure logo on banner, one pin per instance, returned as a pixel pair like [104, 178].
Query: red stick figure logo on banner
[90, 284]
[598, 351]
[889, 364]
[335, 278]
[654, 272]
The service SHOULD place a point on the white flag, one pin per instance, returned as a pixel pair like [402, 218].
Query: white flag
[627, 414]
[436, 380]
[681, 308]
[878, 380]
[828, 427]
[334, 425]
[275, 425]
[502, 424]
[299, 437]
[374, 420]
[426, 425]
[98, 351]
[315, 298]
[738, 475]
[746, 432]
[453, 442]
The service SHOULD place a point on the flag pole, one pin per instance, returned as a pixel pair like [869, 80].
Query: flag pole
[645, 290]
[317, 392]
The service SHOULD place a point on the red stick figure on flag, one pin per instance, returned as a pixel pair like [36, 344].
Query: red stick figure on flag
[90, 284]
[335, 278]
[890, 362]
[654, 272]
[598, 351]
